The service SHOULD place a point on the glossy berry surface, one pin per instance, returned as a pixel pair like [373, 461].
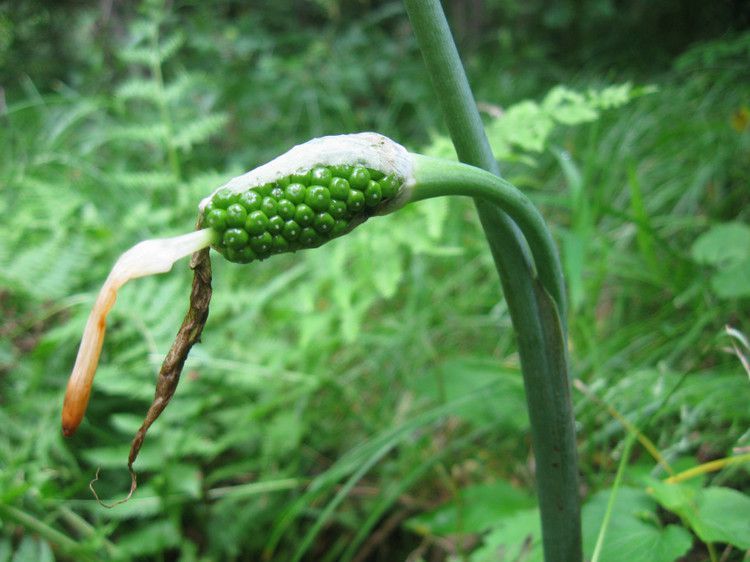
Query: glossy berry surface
[299, 211]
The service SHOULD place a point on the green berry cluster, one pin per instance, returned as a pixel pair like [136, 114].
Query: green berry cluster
[296, 212]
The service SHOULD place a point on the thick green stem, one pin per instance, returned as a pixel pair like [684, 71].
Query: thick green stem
[538, 321]
[435, 177]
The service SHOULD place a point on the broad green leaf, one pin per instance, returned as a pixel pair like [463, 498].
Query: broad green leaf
[634, 532]
[716, 514]
[723, 245]
[724, 516]
[732, 282]
[477, 509]
[517, 537]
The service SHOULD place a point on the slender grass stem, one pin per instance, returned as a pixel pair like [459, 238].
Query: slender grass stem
[50, 534]
[707, 468]
[539, 323]
[629, 441]
[166, 116]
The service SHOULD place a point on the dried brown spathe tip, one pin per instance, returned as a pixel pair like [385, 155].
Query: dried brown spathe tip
[169, 375]
[146, 258]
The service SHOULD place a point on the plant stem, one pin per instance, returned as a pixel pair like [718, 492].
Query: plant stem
[629, 440]
[48, 533]
[436, 177]
[166, 116]
[540, 325]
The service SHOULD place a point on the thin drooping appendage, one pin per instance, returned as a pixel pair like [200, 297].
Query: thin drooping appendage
[145, 258]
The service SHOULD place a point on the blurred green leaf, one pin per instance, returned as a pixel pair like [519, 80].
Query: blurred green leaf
[32, 549]
[723, 245]
[475, 509]
[514, 537]
[155, 537]
[6, 549]
[569, 107]
[634, 532]
[715, 514]
[727, 247]
[460, 376]
[733, 281]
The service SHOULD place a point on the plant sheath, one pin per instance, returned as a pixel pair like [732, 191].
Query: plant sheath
[538, 320]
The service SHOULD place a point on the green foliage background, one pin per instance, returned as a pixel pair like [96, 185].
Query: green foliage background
[363, 401]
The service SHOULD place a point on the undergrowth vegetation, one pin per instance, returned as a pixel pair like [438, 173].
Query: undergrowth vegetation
[355, 402]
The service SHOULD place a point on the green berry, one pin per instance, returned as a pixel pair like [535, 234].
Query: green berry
[235, 238]
[268, 206]
[323, 223]
[295, 192]
[320, 175]
[223, 198]
[389, 185]
[256, 223]
[247, 253]
[309, 238]
[236, 215]
[252, 200]
[318, 198]
[356, 201]
[275, 224]
[266, 188]
[340, 227]
[279, 244]
[339, 188]
[286, 209]
[359, 178]
[342, 170]
[243, 255]
[261, 244]
[291, 230]
[373, 194]
[304, 215]
[283, 182]
[277, 193]
[304, 179]
[337, 209]
[375, 175]
[232, 255]
[217, 219]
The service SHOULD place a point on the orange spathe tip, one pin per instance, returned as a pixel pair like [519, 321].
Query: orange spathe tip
[145, 258]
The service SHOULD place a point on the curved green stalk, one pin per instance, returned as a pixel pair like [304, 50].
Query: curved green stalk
[435, 177]
[540, 325]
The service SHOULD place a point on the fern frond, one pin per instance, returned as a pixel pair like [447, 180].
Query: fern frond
[48, 270]
[179, 88]
[198, 130]
[136, 54]
[142, 132]
[138, 89]
[144, 180]
[170, 46]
